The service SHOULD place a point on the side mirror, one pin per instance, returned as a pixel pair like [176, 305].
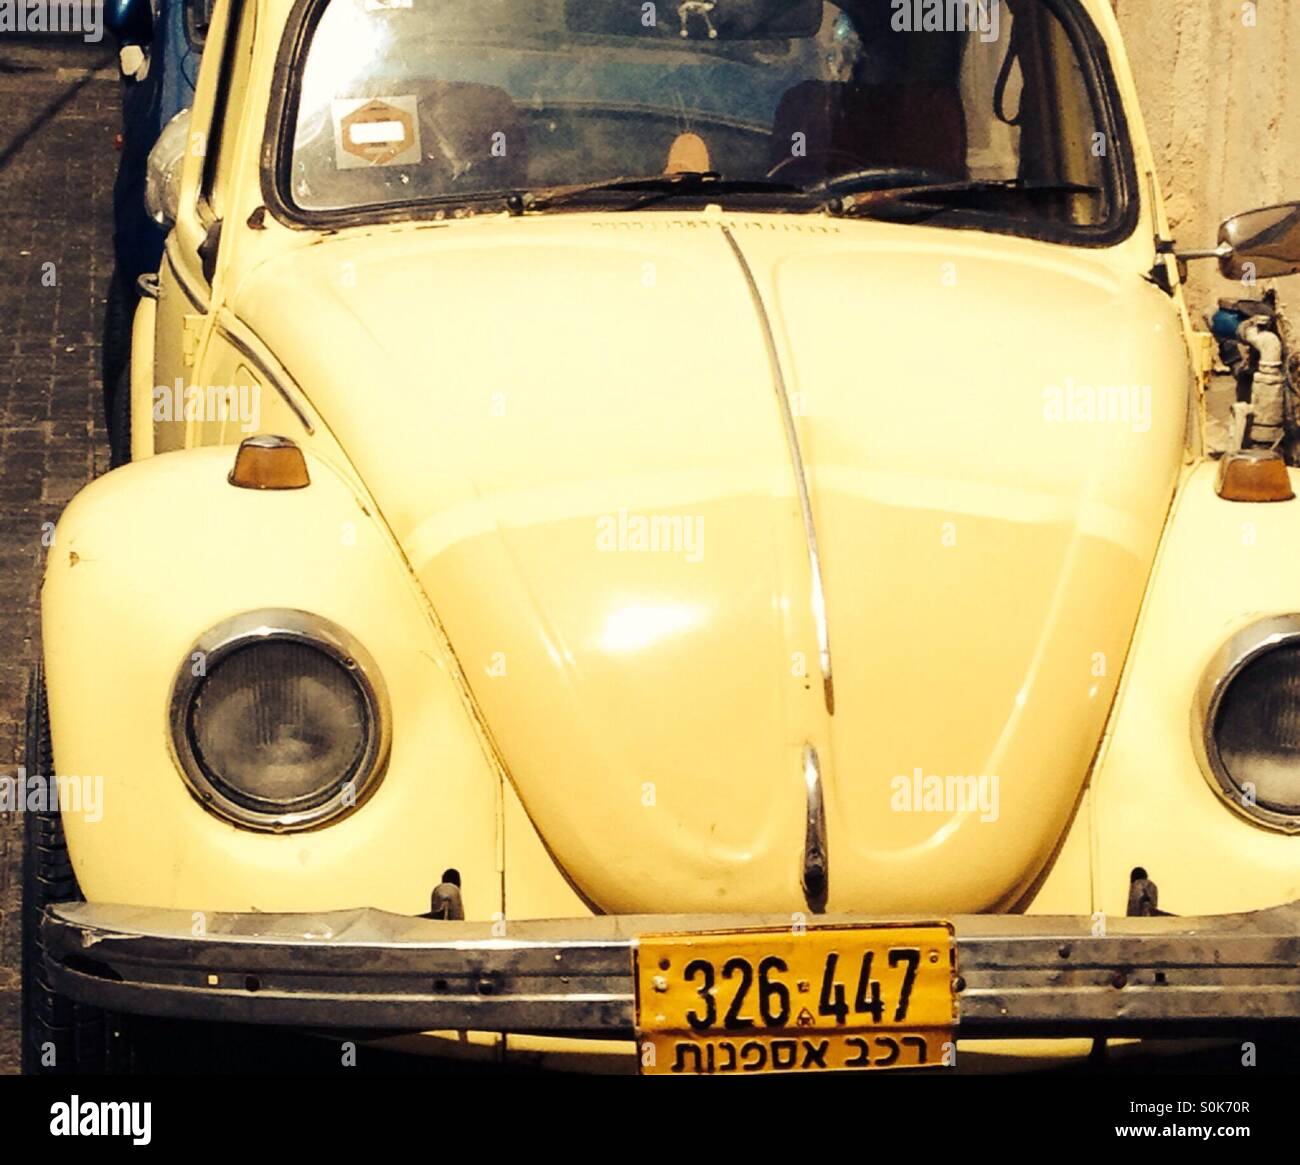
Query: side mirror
[131, 21]
[1267, 241]
[162, 176]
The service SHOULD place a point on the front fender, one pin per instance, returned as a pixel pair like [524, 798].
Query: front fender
[144, 561]
[1222, 565]
[142, 381]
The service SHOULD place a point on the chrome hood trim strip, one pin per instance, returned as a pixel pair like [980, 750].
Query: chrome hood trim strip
[816, 860]
[818, 596]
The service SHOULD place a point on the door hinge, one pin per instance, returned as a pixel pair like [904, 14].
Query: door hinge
[1204, 351]
[190, 326]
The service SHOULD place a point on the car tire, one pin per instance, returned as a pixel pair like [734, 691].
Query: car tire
[116, 367]
[119, 312]
[59, 1035]
[119, 421]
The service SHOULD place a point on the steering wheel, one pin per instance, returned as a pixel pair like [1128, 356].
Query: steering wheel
[859, 178]
[815, 156]
[879, 178]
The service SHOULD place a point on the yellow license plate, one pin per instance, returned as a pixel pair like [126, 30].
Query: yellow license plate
[815, 999]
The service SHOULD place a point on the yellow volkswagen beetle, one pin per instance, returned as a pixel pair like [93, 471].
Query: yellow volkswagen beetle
[677, 531]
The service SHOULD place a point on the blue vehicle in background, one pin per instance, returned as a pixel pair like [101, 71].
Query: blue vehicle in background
[160, 44]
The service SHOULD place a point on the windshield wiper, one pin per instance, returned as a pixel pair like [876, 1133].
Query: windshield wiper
[648, 189]
[950, 194]
[651, 188]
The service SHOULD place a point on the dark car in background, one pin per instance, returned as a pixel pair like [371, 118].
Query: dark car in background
[160, 48]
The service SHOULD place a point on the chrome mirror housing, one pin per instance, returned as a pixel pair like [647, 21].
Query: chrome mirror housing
[1264, 243]
[162, 182]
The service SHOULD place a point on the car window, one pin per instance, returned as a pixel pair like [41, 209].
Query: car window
[221, 145]
[401, 102]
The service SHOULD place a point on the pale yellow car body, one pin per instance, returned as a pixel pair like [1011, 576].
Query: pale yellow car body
[395, 354]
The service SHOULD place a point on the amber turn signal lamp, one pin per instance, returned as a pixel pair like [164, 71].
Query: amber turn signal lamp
[269, 463]
[1254, 475]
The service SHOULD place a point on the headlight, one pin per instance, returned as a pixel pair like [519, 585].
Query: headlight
[1247, 722]
[279, 721]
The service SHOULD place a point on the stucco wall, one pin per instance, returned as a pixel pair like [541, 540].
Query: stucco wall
[1220, 88]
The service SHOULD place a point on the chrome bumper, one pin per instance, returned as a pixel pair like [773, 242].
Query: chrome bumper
[1017, 975]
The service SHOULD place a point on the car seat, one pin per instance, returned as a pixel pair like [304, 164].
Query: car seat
[848, 126]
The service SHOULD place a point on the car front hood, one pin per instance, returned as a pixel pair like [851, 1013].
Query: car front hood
[577, 428]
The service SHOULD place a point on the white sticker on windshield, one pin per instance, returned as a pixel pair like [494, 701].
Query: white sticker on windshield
[375, 131]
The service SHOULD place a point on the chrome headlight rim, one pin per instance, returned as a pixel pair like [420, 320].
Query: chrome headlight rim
[309, 630]
[1244, 647]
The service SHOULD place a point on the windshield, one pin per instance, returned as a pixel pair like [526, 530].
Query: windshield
[447, 103]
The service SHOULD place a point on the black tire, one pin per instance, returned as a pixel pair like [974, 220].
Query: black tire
[60, 1036]
[116, 367]
[119, 312]
[119, 422]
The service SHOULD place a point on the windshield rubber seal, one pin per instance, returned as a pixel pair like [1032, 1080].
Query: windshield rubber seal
[1089, 45]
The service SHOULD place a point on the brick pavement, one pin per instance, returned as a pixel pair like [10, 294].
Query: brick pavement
[58, 116]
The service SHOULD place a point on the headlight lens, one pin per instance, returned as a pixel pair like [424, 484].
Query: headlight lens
[278, 724]
[1258, 729]
[284, 726]
[1249, 722]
